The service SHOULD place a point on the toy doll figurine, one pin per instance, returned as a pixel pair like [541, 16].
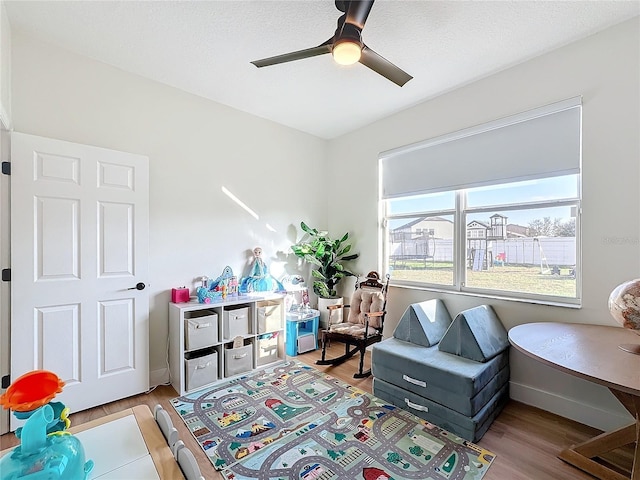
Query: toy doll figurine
[259, 279]
[259, 268]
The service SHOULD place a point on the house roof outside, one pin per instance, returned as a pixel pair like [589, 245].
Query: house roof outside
[407, 226]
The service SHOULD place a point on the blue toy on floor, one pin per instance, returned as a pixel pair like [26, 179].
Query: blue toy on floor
[47, 451]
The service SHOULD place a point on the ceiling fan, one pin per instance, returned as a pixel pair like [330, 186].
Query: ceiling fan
[346, 45]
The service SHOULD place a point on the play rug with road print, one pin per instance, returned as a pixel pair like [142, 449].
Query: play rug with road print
[292, 421]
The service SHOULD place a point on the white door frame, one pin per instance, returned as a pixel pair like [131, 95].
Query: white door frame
[5, 254]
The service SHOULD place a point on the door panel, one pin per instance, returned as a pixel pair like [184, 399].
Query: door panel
[115, 239]
[57, 238]
[79, 236]
[57, 168]
[117, 327]
[118, 176]
[51, 321]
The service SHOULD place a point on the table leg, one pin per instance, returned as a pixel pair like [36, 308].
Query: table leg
[582, 455]
[635, 474]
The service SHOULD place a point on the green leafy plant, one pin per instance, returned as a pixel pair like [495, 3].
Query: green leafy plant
[326, 254]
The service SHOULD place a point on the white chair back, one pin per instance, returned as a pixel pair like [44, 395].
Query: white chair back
[166, 425]
[187, 461]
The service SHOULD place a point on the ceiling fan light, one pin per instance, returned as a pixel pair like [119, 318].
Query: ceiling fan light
[346, 52]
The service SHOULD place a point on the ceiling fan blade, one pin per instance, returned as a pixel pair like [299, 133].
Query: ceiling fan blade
[384, 67]
[298, 55]
[358, 11]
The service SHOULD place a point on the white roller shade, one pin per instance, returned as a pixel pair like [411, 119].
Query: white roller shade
[544, 142]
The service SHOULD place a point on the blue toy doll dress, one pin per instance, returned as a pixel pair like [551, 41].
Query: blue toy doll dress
[259, 279]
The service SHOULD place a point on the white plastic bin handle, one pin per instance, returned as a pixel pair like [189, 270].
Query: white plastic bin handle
[238, 357]
[420, 383]
[415, 406]
[198, 367]
[203, 325]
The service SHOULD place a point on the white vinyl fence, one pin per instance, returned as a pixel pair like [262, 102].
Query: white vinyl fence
[559, 251]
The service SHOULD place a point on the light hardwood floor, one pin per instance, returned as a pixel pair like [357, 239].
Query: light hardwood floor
[525, 439]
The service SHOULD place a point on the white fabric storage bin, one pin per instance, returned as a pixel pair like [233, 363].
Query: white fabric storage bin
[236, 322]
[201, 331]
[306, 342]
[270, 317]
[268, 348]
[201, 370]
[238, 360]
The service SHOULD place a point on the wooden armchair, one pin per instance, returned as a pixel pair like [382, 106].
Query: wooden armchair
[364, 324]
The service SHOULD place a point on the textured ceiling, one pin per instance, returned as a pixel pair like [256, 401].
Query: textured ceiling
[204, 47]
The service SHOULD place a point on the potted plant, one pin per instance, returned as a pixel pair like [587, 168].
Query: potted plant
[328, 256]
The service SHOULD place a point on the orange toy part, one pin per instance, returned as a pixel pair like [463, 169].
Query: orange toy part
[31, 390]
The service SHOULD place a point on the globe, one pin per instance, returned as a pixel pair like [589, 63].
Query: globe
[624, 305]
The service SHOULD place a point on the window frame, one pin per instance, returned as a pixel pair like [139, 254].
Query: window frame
[460, 214]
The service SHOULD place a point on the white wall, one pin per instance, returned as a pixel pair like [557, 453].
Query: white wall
[5, 67]
[195, 147]
[605, 70]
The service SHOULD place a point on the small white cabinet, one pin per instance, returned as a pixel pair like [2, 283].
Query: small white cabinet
[201, 339]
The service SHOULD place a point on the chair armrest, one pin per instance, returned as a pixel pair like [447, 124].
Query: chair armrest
[336, 307]
[371, 315]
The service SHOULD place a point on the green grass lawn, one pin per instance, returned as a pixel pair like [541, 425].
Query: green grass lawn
[501, 278]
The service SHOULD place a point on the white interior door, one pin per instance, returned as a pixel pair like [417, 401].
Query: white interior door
[79, 246]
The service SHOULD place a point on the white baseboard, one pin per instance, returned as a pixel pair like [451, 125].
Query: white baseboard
[569, 407]
[159, 377]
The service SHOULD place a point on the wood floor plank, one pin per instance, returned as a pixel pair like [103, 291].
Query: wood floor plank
[525, 439]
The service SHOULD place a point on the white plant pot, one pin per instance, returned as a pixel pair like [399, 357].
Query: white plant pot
[323, 303]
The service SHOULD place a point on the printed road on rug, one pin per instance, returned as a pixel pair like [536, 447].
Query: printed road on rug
[292, 421]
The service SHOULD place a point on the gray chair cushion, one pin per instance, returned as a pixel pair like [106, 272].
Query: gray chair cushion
[423, 323]
[404, 363]
[476, 334]
[469, 428]
[468, 406]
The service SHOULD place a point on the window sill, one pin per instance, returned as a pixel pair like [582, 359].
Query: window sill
[533, 301]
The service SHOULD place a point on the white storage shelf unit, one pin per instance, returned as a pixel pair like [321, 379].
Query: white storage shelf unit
[201, 339]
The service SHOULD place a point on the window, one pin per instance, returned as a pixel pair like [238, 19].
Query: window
[507, 230]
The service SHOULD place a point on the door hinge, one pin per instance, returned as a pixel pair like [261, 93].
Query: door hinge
[6, 274]
[6, 381]
[6, 168]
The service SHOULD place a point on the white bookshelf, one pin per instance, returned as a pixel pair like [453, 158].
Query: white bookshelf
[215, 358]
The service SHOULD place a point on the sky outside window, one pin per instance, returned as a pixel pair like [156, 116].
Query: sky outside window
[513, 193]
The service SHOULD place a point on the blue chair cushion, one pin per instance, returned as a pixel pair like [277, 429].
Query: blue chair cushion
[423, 323]
[469, 428]
[476, 334]
[430, 370]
